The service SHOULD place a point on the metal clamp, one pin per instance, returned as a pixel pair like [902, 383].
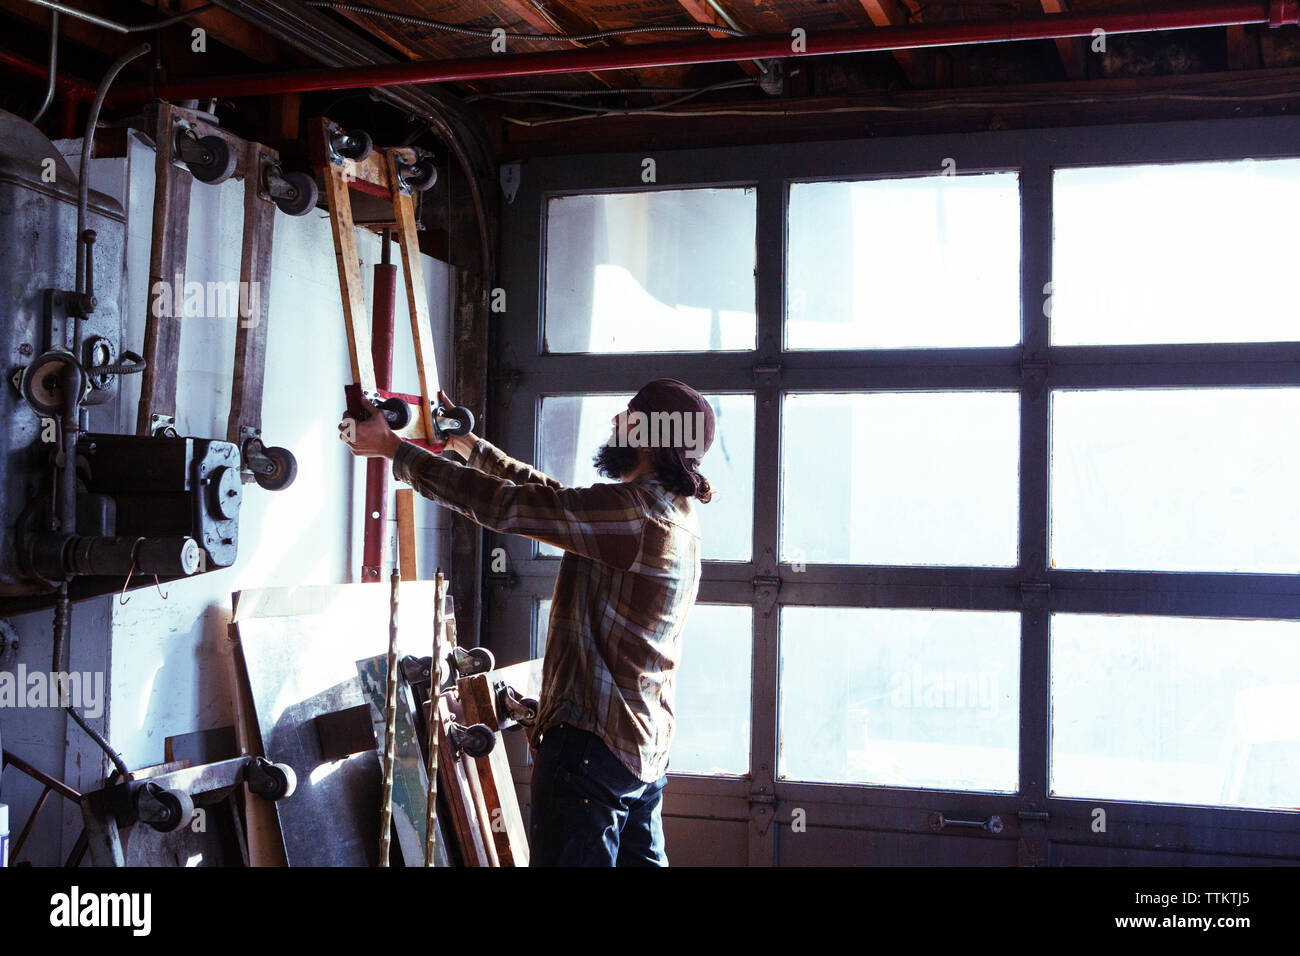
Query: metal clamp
[993, 824]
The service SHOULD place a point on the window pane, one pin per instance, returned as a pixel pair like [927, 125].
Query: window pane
[713, 692]
[661, 271]
[573, 427]
[919, 478]
[1192, 252]
[1176, 479]
[926, 262]
[1176, 710]
[909, 698]
[543, 626]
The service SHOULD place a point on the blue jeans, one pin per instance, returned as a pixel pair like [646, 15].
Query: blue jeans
[590, 810]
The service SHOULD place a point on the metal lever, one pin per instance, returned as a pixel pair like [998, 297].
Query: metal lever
[993, 824]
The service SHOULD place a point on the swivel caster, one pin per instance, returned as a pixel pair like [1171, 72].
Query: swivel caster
[418, 176]
[475, 660]
[395, 411]
[286, 469]
[453, 421]
[355, 146]
[476, 740]
[208, 158]
[271, 781]
[164, 810]
[294, 193]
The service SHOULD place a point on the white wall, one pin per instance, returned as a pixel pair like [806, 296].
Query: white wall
[167, 658]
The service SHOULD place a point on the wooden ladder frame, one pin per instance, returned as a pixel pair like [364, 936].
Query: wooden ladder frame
[377, 175]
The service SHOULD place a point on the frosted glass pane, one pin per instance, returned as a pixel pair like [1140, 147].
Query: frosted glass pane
[1190, 252]
[906, 478]
[1176, 710]
[926, 262]
[907, 698]
[1176, 479]
[661, 271]
[573, 427]
[713, 692]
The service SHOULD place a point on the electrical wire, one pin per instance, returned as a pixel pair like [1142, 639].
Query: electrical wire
[493, 34]
[630, 111]
[920, 108]
[119, 27]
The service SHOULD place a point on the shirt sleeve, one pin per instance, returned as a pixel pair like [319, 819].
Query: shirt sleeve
[604, 522]
[489, 459]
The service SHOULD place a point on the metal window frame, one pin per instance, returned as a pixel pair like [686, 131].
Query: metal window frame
[1044, 828]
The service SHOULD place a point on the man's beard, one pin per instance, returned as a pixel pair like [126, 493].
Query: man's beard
[615, 461]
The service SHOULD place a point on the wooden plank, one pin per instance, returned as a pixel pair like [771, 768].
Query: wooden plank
[416, 297]
[506, 822]
[701, 12]
[454, 778]
[162, 332]
[1073, 50]
[255, 277]
[349, 269]
[408, 561]
[202, 746]
[262, 831]
[917, 64]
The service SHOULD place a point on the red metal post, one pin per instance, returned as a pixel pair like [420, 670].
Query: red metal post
[381, 349]
[639, 56]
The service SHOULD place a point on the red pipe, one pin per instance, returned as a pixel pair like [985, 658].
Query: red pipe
[913, 36]
[74, 89]
[383, 310]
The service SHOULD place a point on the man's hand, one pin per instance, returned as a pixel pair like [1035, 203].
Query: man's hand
[371, 438]
[462, 445]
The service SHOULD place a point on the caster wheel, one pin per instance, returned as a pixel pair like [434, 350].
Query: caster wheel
[217, 162]
[164, 810]
[478, 741]
[420, 175]
[396, 412]
[301, 196]
[272, 781]
[481, 660]
[286, 469]
[354, 146]
[462, 420]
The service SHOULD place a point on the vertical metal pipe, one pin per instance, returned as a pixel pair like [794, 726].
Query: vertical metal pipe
[390, 725]
[431, 815]
[54, 67]
[381, 350]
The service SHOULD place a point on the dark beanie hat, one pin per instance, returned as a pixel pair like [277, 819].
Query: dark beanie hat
[670, 395]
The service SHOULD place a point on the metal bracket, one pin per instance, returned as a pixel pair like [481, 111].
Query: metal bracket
[162, 426]
[766, 588]
[510, 173]
[1033, 376]
[1034, 594]
[762, 804]
[767, 373]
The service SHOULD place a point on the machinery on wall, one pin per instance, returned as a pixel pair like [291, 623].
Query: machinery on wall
[84, 509]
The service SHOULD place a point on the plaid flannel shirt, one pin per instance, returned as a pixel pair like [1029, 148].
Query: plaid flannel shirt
[627, 581]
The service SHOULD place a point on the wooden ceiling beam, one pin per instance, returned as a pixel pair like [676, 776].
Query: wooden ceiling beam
[701, 12]
[917, 64]
[1073, 50]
